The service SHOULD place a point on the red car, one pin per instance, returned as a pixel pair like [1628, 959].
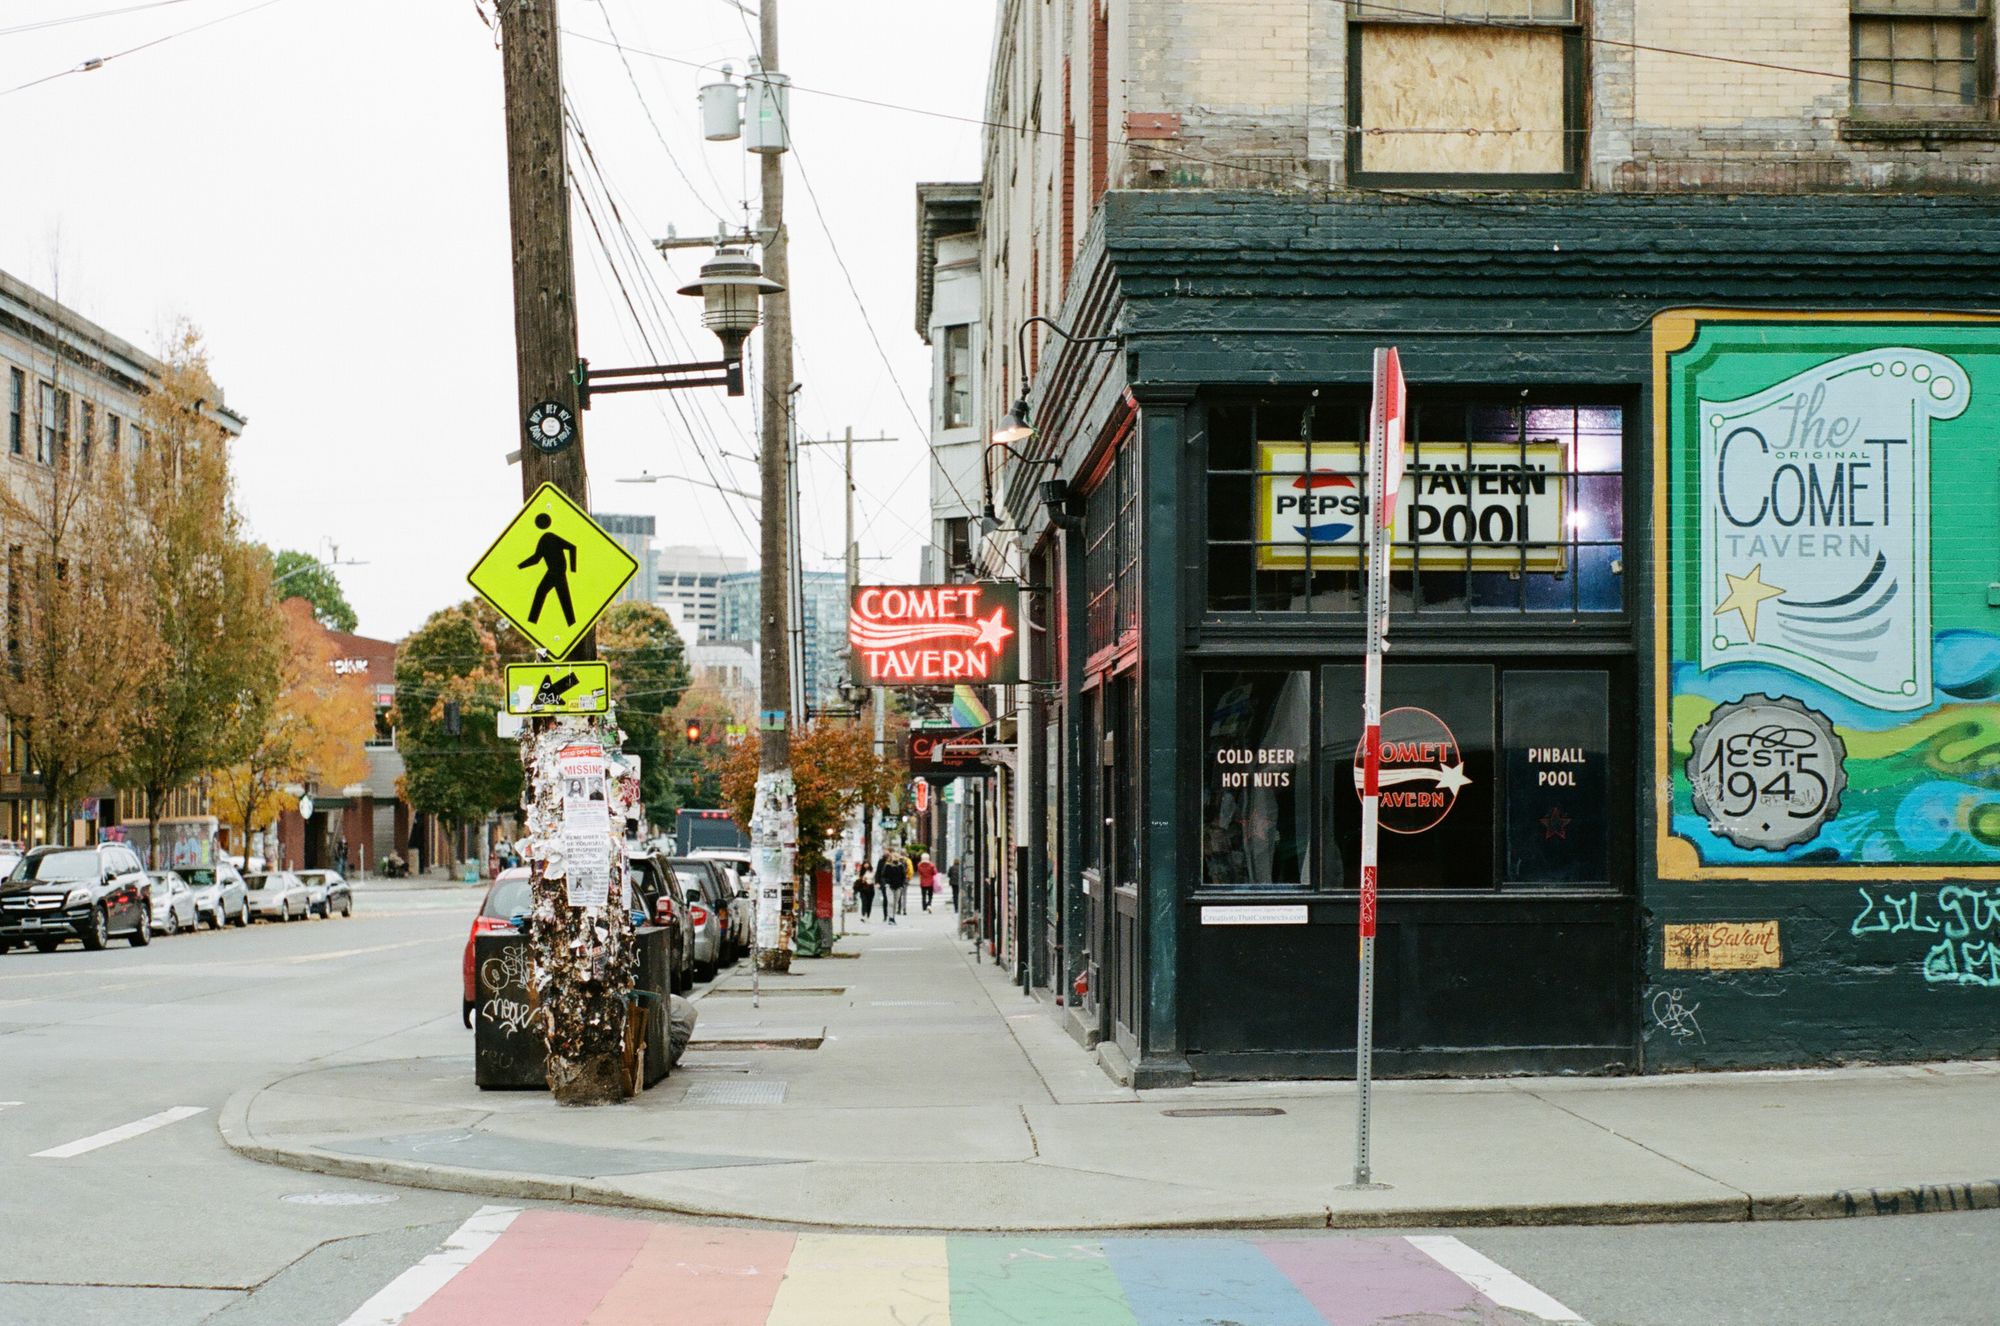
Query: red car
[508, 896]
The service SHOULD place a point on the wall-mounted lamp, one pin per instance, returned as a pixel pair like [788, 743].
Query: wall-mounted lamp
[1015, 426]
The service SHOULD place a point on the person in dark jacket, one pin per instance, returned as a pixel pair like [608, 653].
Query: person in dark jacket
[864, 889]
[891, 875]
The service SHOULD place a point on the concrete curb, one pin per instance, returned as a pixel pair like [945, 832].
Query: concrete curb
[1921, 1199]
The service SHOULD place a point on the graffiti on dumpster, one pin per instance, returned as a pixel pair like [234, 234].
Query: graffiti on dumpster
[1960, 924]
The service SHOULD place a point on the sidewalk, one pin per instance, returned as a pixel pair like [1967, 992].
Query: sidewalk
[939, 1097]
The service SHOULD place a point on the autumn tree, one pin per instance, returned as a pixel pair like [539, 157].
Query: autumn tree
[697, 768]
[314, 729]
[449, 694]
[837, 773]
[207, 596]
[80, 633]
[649, 675]
[301, 575]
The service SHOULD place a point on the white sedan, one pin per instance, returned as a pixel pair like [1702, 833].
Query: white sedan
[174, 908]
[278, 895]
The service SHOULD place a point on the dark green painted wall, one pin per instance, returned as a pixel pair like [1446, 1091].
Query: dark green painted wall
[1255, 289]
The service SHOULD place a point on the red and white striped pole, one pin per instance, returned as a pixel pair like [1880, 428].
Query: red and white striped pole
[1385, 478]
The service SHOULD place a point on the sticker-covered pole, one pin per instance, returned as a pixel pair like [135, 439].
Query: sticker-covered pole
[1385, 477]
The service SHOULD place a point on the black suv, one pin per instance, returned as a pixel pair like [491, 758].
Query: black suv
[88, 893]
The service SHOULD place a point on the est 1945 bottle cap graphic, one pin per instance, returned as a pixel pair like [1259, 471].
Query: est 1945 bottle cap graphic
[1767, 772]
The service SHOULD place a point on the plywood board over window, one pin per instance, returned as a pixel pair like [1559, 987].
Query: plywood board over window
[1437, 100]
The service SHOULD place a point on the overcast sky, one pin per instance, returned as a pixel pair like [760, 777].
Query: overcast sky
[321, 188]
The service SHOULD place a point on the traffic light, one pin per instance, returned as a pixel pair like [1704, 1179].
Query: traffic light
[694, 732]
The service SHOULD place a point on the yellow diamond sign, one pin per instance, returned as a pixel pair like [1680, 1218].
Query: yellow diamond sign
[552, 572]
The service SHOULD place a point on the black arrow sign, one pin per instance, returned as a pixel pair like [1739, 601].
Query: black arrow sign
[552, 690]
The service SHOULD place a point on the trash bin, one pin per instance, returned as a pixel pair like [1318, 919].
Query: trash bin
[509, 1048]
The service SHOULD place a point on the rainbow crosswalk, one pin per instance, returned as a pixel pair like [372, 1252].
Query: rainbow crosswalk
[562, 1268]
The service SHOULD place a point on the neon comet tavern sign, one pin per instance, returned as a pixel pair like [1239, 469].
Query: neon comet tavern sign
[935, 635]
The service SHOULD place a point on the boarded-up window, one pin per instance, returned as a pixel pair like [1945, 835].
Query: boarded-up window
[1462, 100]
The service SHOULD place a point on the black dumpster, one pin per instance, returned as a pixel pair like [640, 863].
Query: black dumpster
[508, 1046]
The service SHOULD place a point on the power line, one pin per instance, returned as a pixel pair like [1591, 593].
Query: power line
[40, 24]
[99, 61]
[646, 106]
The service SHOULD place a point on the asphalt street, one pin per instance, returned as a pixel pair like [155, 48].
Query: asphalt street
[119, 1203]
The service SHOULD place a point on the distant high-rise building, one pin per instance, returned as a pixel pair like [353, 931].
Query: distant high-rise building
[635, 534]
[692, 577]
[824, 619]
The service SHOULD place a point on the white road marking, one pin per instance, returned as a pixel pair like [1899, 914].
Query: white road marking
[122, 1133]
[10, 1104]
[1490, 1278]
[357, 952]
[416, 1286]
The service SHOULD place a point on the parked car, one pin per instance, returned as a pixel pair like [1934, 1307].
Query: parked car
[219, 894]
[508, 896]
[92, 894]
[657, 893]
[708, 923]
[741, 876]
[330, 891]
[733, 909]
[277, 895]
[173, 903]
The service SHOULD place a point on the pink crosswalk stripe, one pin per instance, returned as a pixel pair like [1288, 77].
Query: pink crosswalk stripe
[551, 1268]
[710, 1275]
[1370, 1281]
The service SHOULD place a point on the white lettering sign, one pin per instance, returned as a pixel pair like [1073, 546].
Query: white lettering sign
[1815, 523]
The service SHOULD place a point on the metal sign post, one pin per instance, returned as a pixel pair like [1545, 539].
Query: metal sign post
[1385, 477]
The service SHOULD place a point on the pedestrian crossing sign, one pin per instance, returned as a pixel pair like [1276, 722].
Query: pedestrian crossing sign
[552, 572]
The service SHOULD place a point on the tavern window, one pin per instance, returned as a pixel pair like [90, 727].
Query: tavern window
[1506, 509]
[1470, 92]
[1921, 59]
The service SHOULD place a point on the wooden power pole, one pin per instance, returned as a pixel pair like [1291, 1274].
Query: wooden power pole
[580, 988]
[774, 671]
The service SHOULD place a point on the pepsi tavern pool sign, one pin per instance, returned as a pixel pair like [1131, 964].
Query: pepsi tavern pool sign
[1478, 506]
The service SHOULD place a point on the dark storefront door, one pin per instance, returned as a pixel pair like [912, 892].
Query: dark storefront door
[1506, 928]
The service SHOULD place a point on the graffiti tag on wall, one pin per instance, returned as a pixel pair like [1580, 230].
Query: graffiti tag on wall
[1965, 922]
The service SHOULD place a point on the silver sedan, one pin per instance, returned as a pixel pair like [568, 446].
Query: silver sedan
[219, 894]
[173, 903]
[278, 895]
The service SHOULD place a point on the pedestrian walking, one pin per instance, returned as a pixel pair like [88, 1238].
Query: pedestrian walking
[864, 889]
[892, 873]
[927, 874]
[951, 878]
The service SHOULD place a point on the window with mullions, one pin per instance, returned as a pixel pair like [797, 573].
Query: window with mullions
[1111, 552]
[1921, 59]
[1504, 509]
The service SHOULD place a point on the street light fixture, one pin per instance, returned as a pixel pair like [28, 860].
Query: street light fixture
[644, 476]
[731, 288]
[1015, 425]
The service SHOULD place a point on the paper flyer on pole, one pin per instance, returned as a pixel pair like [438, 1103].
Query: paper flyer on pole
[586, 831]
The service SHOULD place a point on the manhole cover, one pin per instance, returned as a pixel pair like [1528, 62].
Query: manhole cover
[338, 1198]
[735, 1093]
[1223, 1112]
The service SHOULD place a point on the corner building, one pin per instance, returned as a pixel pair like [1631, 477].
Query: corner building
[1693, 742]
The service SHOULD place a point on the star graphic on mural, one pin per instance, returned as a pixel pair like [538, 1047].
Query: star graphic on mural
[992, 631]
[1451, 778]
[1555, 824]
[1745, 594]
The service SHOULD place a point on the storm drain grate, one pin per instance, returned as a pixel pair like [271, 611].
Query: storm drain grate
[735, 1093]
[780, 991]
[909, 1003]
[1225, 1112]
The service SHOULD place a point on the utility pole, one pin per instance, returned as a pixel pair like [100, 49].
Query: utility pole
[579, 978]
[851, 557]
[775, 820]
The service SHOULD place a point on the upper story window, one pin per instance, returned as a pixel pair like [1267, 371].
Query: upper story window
[52, 423]
[1480, 93]
[958, 376]
[1922, 59]
[87, 431]
[17, 406]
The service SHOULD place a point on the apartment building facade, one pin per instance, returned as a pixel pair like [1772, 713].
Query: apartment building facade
[1689, 694]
